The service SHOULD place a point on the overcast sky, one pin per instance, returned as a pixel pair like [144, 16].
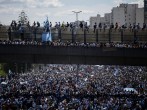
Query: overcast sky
[57, 10]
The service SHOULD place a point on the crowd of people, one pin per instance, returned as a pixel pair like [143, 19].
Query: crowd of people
[75, 44]
[131, 27]
[75, 87]
[81, 25]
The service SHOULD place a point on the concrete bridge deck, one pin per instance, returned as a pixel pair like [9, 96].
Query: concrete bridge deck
[73, 55]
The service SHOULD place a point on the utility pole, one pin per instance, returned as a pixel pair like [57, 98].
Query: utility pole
[77, 12]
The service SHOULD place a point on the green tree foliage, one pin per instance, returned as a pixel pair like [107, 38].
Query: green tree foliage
[2, 72]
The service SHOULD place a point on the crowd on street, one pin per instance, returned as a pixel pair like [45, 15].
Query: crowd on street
[75, 87]
[76, 44]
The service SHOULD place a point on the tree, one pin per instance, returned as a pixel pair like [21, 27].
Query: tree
[23, 18]
[2, 72]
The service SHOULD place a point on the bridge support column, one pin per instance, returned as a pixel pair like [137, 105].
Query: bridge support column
[122, 36]
[35, 30]
[135, 36]
[59, 34]
[85, 36]
[110, 35]
[97, 40]
[73, 35]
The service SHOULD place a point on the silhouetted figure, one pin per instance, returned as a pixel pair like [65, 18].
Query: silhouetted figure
[134, 27]
[111, 26]
[67, 26]
[94, 27]
[38, 24]
[50, 24]
[86, 27]
[71, 26]
[116, 26]
[130, 27]
[138, 26]
[81, 25]
[144, 26]
[100, 26]
[19, 24]
[59, 25]
[105, 26]
[34, 24]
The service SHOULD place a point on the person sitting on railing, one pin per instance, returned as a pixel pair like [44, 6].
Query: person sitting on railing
[130, 27]
[138, 26]
[71, 26]
[81, 26]
[111, 26]
[100, 26]
[94, 27]
[104, 27]
[38, 24]
[86, 27]
[144, 26]
[116, 26]
[67, 26]
[63, 26]
[134, 26]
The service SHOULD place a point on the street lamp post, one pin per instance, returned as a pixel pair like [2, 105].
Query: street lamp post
[77, 12]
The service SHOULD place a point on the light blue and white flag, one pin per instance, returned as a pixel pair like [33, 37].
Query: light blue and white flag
[46, 36]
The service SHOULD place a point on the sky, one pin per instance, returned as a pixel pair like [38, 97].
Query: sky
[57, 10]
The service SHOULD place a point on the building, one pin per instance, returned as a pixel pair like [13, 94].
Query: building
[107, 19]
[94, 20]
[145, 11]
[118, 16]
[124, 14]
[140, 16]
[130, 13]
[102, 20]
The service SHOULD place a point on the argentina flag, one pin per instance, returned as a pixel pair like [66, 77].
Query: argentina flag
[46, 36]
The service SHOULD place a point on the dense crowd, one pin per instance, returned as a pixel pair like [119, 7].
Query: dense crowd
[75, 44]
[75, 87]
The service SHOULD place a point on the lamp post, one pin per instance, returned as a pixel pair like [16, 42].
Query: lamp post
[77, 12]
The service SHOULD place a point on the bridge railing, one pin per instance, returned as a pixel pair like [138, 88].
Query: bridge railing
[80, 36]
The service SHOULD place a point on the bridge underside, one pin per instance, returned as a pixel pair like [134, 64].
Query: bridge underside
[73, 55]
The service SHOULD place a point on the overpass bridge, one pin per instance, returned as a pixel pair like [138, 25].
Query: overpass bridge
[44, 54]
[123, 35]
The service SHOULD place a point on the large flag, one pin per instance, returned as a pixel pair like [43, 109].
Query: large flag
[46, 36]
